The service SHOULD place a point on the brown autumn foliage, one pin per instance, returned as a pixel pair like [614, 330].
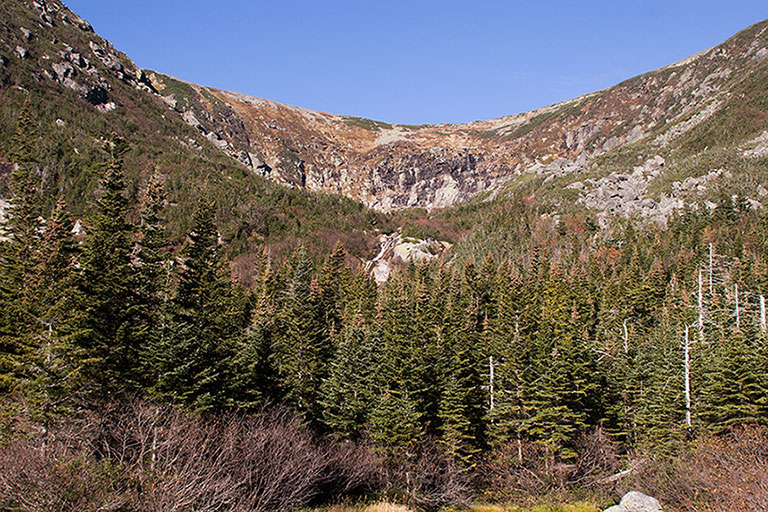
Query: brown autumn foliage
[148, 458]
[428, 479]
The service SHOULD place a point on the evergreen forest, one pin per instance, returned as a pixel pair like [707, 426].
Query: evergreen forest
[140, 370]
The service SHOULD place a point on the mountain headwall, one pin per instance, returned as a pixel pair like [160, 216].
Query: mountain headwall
[390, 166]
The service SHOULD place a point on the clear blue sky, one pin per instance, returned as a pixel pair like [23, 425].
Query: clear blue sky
[417, 61]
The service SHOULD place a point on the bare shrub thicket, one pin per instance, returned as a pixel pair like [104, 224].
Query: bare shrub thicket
[156, 458]
[719, 474]
[521, 473]
[428, 479]
[55, 476]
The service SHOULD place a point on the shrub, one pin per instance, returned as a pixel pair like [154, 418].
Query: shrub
[428, 479]
[719, 474]
[144, 457]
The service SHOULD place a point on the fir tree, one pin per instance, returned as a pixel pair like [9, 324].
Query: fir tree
[153, 268]
[349, 394]
[52, 363]
[560, 404]
[395, 425]
[462, 407]
[509, 347]
[732, 387]
[253, 378]
[37, 296]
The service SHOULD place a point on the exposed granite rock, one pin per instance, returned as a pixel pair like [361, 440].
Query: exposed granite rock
[63, 70]
[635, 501]
[611, 143]
[395, 249]
[390, 166]
[698, 184]
[624, 194]
[758, 147]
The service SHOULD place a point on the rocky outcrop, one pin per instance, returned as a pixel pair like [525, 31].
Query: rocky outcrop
[635, 501]
[398, 250]
[625, 194]
[85, 63]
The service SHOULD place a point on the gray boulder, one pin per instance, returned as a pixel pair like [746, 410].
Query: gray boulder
[635, 501]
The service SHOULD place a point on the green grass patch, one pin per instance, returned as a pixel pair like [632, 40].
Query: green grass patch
[367, 124]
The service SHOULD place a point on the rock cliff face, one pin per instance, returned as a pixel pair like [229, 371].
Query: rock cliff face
[390, 166]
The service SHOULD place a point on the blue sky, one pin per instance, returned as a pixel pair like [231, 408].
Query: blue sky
[418, 61]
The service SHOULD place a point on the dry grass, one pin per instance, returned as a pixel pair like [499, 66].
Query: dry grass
[384, 506]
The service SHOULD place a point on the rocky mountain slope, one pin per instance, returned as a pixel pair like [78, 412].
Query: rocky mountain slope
[80, 90]
[689, 134]
[389, 166]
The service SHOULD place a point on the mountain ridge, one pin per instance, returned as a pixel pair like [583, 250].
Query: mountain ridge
[389, 166]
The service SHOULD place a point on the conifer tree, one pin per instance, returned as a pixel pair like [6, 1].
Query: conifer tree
[428, 344]
[153, 268]
[37, 298]
[52, 363]
[209, 316]
[253, 378]
[396, 420]
[659, 415]
[509, 350]
[334, 281]
[303, 350]
[462, 407]
[560, 404]
[395, 425]
[107, 341]
[21, 232]
[732, 387]
[350, 393]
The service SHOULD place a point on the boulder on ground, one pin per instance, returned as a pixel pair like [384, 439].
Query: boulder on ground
[635, 501]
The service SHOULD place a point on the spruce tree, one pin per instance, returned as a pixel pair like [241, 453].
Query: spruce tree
[395, 425]
[53, 371]
[19, 252]
[509, 348]
[303, 351]
[153, 267]
[209, 317]
[349, 394]
[463, 404]
[253, 379]
[396, 422]
[109, 349]
[560, 403]
[732, 387]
